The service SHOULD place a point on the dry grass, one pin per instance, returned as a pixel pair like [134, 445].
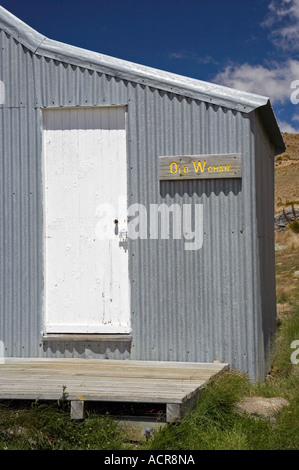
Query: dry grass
[287, 174]
[289, 239]
[292, 144]
[287, 269]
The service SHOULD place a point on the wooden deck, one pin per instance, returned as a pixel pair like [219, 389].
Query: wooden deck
[175, 384]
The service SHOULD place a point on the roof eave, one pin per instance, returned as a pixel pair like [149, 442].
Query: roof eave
[271, 126]
[196, 89]
[189, 87]
[23, 33]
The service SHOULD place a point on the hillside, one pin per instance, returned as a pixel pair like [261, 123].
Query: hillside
[287, 174]
[287, 192]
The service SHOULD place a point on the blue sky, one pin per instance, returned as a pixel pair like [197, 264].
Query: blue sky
[250, 45]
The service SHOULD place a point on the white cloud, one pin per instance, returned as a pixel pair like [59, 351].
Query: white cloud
[193, 56]
[176, 55]
[274, 81]
[283, 20]
[286, 127]
[277, 80]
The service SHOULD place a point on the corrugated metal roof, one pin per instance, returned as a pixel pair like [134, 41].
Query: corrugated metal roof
[197, 89]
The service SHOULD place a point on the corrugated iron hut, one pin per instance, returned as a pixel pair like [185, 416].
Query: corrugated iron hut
[136, 210]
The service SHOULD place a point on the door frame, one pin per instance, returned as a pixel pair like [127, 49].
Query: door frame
[111, 330]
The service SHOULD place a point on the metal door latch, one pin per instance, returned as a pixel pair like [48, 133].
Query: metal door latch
[123, 236]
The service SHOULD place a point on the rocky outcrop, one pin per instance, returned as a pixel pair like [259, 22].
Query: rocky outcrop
[283, 219]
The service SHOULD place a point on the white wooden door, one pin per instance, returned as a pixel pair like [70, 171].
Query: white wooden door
[86, 275]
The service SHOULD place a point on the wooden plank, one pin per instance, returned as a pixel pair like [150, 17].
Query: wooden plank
[121, 365]
[147, 387]
[186, 375]
[115, 365]
[173, 412]
[189, 167]
[77, 409]
[102, 380]
[154, 393]
[85, 338]
[109, 362]
[176, 411]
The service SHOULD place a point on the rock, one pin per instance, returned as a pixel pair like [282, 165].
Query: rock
[262, 407]
[296, 273]
[280, 221]
[279, 247]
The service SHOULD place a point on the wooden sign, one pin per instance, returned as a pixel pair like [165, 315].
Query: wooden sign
[200, 167]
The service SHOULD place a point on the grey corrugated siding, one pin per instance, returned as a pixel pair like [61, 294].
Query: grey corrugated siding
[21, 249]
[189, 306]
[31, 83]
[196, 306]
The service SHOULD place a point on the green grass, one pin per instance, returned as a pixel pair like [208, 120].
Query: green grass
[288, 331]
[287, 203]
[49, 427]
[281, 296]
[216, 425]
[294, 226]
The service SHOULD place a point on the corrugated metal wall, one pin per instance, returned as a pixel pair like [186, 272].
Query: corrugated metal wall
[186, 305]
[194, 306]
[266, 243]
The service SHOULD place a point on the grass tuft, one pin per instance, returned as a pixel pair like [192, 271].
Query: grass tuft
[49, 427]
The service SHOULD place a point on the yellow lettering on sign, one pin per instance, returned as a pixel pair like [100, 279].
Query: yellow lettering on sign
[199, 165]
[173, 167]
